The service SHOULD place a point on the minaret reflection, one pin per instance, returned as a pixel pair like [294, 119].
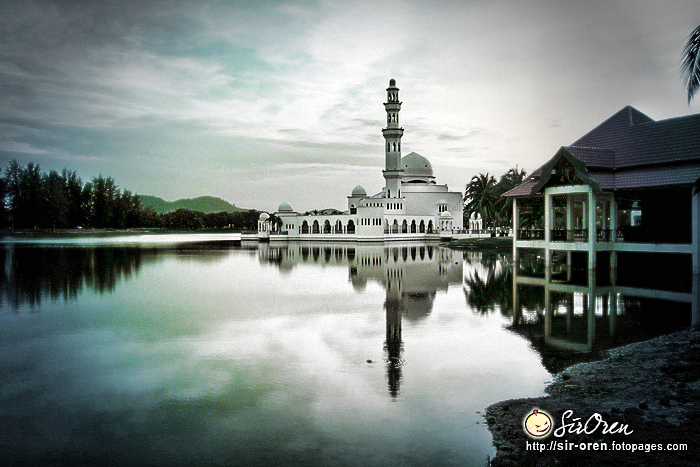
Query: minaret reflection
[393, 344]
[411, 274]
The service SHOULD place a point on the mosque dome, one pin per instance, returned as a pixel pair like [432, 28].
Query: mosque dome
[358, 192]
[264, 216]
[285, 207]
[446, 214]
[416, 167]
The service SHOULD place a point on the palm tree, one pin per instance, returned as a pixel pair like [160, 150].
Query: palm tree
[690, 63]
[514, 177]
[503, 206]
[480, 196]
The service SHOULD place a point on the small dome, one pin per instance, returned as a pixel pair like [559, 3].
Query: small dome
[358, 192]
[285, 207]
[415, 165]
[446, 214]
[442, 201]
[392, 82]
[264, 216]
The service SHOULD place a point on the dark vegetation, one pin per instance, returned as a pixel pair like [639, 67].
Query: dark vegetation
[30, 199]
[205, 204]
[482, 195]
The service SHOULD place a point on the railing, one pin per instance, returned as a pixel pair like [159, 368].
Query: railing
[559, 235]
[569, 235]
[603, 235]
[531, 234]
[399, 231]
[620, 234]
[579, 235]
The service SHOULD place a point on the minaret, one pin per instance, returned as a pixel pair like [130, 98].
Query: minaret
[392, 148]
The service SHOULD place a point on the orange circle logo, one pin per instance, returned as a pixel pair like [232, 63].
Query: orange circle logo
[538, 424]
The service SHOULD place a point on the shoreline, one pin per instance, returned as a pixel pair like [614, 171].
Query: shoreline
[104, 232]
[652, 386]
[486, 245]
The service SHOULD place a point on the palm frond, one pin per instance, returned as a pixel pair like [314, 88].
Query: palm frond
[690, 64]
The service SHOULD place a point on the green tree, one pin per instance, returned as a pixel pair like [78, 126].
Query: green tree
[13, 174]
[74, 195]
[55, 205]
[4, 213]
[480, 196]
[503, 211]
[28, 196]
[690, 63]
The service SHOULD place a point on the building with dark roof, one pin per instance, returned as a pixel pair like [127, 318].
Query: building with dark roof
[616, 212]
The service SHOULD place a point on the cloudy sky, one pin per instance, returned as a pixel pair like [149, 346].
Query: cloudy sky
[261, 102]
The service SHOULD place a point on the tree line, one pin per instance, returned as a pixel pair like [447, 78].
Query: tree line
[32, 199]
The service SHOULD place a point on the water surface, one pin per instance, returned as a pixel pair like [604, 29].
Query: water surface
[303, 354]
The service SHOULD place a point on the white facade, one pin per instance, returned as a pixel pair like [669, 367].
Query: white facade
[410, 206]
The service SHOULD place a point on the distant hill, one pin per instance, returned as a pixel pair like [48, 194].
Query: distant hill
[200, 203]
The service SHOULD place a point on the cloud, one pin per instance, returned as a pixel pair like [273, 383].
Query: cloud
[16, 147]
[240, 88]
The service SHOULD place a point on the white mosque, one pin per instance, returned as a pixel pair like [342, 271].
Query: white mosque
[410, 206]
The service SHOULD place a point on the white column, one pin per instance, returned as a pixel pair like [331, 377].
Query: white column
[516, 220]
[696, 234]
[547, 216]
[569, 233]
[548, 223]
[591, 230]
[613, 219]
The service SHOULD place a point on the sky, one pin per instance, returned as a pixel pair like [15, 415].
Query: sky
[264, 102]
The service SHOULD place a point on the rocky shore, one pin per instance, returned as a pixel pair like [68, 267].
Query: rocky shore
[653, 387]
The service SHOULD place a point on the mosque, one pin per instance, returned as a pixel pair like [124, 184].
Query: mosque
[410, 206]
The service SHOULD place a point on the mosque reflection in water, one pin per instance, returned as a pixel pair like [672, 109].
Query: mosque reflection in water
[411, 274]
[566, 314]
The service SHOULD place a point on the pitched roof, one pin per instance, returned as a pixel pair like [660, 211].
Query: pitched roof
[636, 139]
[631, 150]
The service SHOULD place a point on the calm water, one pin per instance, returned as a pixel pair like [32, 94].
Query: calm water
[136, 353]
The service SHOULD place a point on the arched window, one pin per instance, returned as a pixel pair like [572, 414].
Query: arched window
[353, 209]
[404, 227]
[430, 226]
[413, 227]
[394, 146]
[315, 227]
[351, 227]
[338, 227]
[305, 227]
[327, 227]
[395, 227]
